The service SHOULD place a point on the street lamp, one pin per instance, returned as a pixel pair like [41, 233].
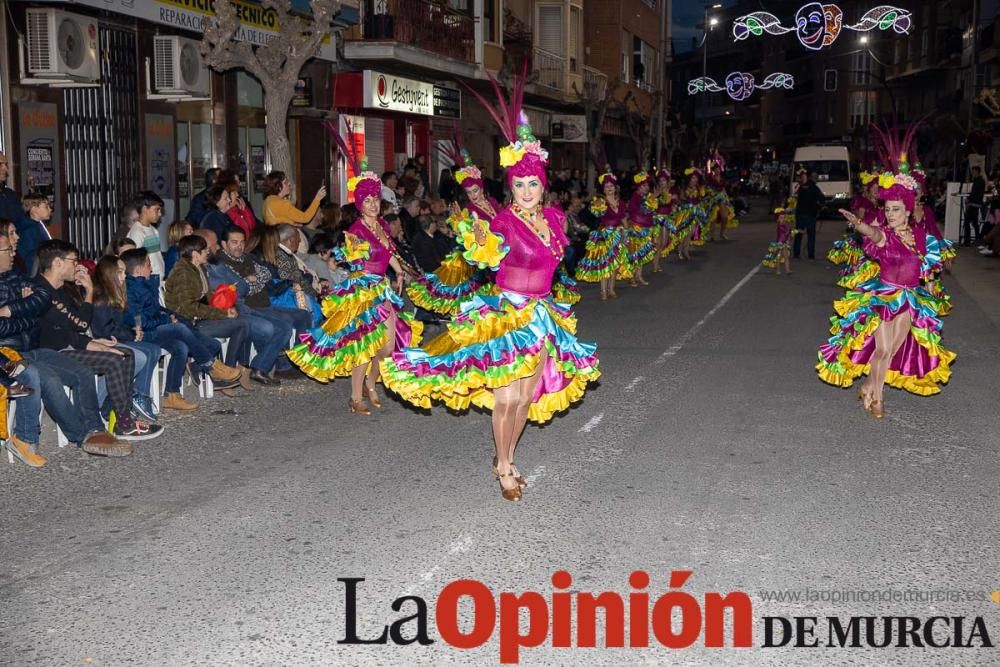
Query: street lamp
[706, 26]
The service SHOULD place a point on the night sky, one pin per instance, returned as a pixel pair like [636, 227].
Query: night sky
[686, 15]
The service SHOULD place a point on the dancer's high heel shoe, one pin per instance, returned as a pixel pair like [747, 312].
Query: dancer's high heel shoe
[358, 407]
[517, 475]
[372, 396]
[513, 495]
[642, 282]
[876, 409]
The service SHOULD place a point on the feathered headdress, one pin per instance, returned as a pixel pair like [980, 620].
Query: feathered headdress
[524, 155]
[364, 183]
[896, 182]
[641, 176]
[468, 175]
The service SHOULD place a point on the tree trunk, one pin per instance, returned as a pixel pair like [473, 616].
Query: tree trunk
[276, 103]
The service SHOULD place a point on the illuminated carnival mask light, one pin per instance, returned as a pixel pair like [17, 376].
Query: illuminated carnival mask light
[818, 25]
[740, 85]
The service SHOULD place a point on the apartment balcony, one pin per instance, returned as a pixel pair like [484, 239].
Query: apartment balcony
[551, 70]
[596, 81]
[424, 34]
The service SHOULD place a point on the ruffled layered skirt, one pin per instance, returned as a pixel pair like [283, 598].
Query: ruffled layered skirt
[444, 290]
[490, 344]
[564, 288]
[774, 253]
[357, 311]
[847, 251]
[919, 366]
[605, 253]
[641, 245]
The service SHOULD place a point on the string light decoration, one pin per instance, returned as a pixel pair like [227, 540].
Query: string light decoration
[740, 85]
[818, 26]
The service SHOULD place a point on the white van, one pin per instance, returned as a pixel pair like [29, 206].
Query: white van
[833, 171]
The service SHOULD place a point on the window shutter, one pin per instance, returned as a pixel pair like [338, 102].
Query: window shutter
[550, 33]
[375, 144]
[574, 40]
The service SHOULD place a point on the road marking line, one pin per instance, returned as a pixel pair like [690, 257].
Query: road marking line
[676, 347]
[592, 424]
[631, 385]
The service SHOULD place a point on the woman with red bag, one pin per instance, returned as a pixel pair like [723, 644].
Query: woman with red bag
[214, 315]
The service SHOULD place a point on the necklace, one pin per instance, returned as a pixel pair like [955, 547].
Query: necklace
[541, 231]
[377, 232]
[486, 207]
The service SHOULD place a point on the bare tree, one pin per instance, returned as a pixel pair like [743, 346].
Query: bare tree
[276, 65]
[639, 126]
[595, 99]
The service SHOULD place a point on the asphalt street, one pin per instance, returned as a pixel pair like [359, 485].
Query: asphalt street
[709, 445]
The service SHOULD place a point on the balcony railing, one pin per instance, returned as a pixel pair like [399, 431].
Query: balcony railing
[427, 24]
[595, 80]
[551, 69]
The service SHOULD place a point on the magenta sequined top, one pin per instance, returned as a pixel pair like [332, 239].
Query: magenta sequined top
[613, 218]
[528, 267]
[378, 254]
[480, 213]
[637, 215]
[898, 265]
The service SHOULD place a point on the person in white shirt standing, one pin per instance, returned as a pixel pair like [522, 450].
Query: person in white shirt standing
[144, 233]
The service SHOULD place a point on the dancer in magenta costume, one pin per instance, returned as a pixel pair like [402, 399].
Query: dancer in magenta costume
[515, 354]
[666, 204]
[889, 326]
[641, 233]
[606, 249]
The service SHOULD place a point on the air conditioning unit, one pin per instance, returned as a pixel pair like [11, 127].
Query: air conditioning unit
[62, 46]
[178, 68]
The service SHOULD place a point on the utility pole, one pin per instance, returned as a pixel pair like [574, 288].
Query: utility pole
[706, 26]
[664, 10]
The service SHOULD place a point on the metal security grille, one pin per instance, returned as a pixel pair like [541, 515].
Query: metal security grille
[102, 144]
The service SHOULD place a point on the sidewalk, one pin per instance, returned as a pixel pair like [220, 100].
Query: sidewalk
[980, 277]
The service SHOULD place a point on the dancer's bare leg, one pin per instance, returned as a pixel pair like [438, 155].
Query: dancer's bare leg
[504, 416]
[386, 350]
[888, 338]
[358, 382]
[526, 392]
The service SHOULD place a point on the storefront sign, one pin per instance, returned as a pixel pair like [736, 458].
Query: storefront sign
[569, 129]
[39, 133]
[447, 102]
[258, 24]
[159, 137]
[394, 93]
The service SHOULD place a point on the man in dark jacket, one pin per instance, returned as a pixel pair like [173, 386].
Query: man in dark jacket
[810, 200]
[48, 371]
[971, 231]
[425, 250]
[65, 327]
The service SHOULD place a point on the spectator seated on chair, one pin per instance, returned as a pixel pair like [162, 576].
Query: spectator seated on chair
[187, 293]
[284, 292]
[47, 373]
[66, 327]
[176, 336]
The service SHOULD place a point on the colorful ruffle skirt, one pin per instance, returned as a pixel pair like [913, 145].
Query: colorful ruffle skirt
[490, 344]
[920, 364]
[357, 313]
[444, 290]
[641, 245]
[605, 252]
[774, 253]
[846, 251]
[564, 288]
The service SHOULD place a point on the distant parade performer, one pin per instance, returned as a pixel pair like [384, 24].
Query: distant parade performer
[666, 238]
[363, 319]
[718, 205]
[606, 249]
[444, 289]
[690, 215]
[847, 252]
[889, 327]
[641, 228]
[515, 354]
[779, 252]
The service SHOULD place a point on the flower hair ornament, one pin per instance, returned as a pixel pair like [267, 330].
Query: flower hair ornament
[608, 175]
[641, 176]
[468, 174]
[523, 155]
[897, 182]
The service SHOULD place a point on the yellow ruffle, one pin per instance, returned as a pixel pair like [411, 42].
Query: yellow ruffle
[454, 270]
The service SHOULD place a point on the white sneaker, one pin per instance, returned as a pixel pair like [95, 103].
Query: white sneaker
[986, 253]
[981, 247]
